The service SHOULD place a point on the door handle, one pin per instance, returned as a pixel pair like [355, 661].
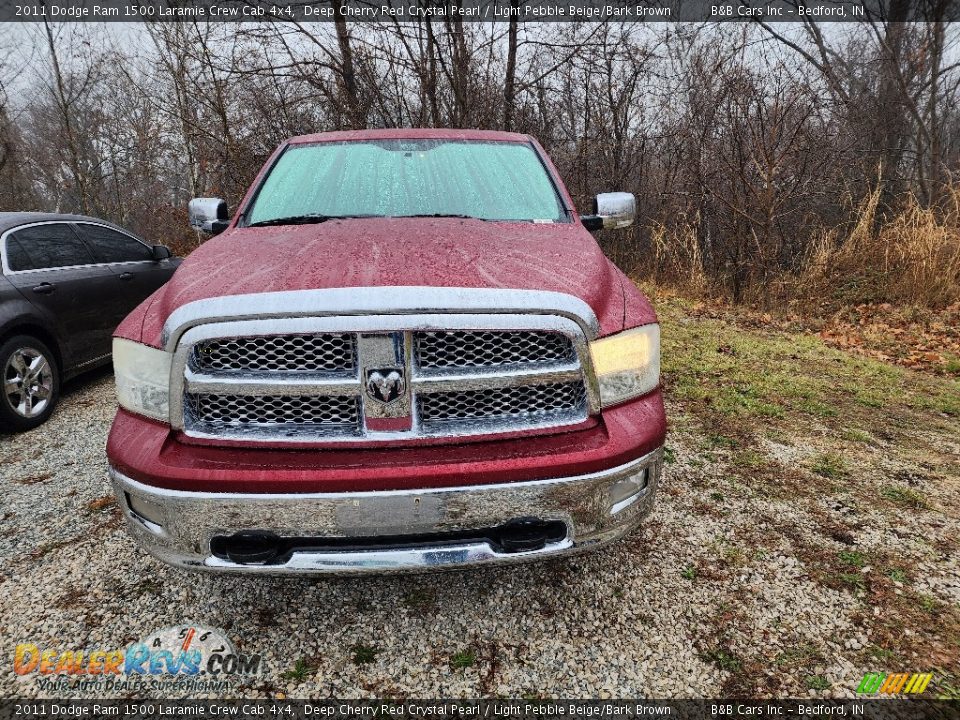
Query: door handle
[126, 276]
[44, 288]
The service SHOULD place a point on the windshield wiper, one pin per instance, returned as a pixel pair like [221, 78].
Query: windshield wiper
[442, 215]
[309, 219]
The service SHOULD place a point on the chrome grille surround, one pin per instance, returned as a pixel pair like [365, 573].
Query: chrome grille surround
[526, 371]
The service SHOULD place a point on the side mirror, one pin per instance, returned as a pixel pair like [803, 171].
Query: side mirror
[209, 215]
[611, 211]
[161, 252]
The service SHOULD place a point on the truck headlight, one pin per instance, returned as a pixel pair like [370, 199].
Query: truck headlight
[627, 365]
[143, 378]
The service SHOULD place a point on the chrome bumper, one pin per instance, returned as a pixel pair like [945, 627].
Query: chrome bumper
[177, 527]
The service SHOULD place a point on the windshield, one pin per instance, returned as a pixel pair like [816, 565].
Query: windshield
[403, 178]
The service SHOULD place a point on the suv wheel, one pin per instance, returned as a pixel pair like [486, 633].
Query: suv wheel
[31, 383]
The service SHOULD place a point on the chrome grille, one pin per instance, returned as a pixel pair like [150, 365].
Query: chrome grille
[491, 348]
[335, 412]
[532, 404]
[277, 353]
[309, 379]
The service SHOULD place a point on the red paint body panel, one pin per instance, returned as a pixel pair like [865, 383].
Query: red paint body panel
[147, 451]
[378, 252]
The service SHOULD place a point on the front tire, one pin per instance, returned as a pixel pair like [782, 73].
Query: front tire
[31, 383]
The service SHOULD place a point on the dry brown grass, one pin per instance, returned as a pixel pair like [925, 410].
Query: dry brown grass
[907, 255]
[911, 256]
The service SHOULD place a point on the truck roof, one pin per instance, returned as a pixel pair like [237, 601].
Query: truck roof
[412, 134]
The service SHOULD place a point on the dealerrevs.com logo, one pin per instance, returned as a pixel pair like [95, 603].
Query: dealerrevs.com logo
[188, 656]
[894, 683]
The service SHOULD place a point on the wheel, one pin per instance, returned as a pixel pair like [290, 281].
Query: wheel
[31, 383]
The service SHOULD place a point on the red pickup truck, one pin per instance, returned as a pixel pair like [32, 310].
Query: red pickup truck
[404, 351]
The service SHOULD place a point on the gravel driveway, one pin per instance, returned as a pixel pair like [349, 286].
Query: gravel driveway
[721, 592]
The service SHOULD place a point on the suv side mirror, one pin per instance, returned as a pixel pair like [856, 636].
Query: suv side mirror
[209, 215]
[611, 211]
[160, 252]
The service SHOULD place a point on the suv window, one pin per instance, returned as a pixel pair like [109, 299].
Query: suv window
[46, 246]
[111, 246]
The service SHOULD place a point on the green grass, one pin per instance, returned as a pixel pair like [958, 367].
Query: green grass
[898, 575]
[797, 656]
[855, 435]
[724, 659]
[464, 659]
[851, 558]
[745, 379]
[829, 465]
[906, 497]
[952, 366]
[751, 459]
[854, 581]
[301, 670]
[818, 682]
[364, 654]
[882, 654]
[689, 572]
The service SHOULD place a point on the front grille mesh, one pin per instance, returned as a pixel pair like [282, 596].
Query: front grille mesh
[531, 403]
[277, 353]
[336, 412]
[491, 348]
[298, 369]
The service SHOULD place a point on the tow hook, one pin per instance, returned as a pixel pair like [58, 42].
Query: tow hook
[249, 546]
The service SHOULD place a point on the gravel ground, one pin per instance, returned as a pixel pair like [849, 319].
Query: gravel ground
[720, 593]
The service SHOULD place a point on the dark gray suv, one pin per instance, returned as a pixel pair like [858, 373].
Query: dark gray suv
[67, 281]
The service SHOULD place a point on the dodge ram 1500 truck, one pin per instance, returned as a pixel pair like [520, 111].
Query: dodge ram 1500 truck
[404, 351]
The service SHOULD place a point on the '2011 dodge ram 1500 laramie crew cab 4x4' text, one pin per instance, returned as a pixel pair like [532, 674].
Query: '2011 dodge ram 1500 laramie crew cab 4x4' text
[404, 351]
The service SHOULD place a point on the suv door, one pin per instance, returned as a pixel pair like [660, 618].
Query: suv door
[137, 273]
[51, 266]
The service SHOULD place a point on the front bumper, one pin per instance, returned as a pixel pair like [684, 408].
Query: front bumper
[394, 530]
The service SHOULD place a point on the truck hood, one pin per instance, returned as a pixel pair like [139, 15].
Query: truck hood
[372, 252]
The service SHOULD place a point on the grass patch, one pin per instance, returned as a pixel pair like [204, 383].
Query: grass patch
[464, 659]
[855, 435]
[689, 572]
[798, 656]
[752, 459]
[906, 497]
[301, 670]
[818, 682]
[364, 654]
[852, 558]
[829, 465]
[882, 654]
[854, 581]
[724, 659]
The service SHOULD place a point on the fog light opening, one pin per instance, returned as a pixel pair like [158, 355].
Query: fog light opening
[149, 514]
[626, 492]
